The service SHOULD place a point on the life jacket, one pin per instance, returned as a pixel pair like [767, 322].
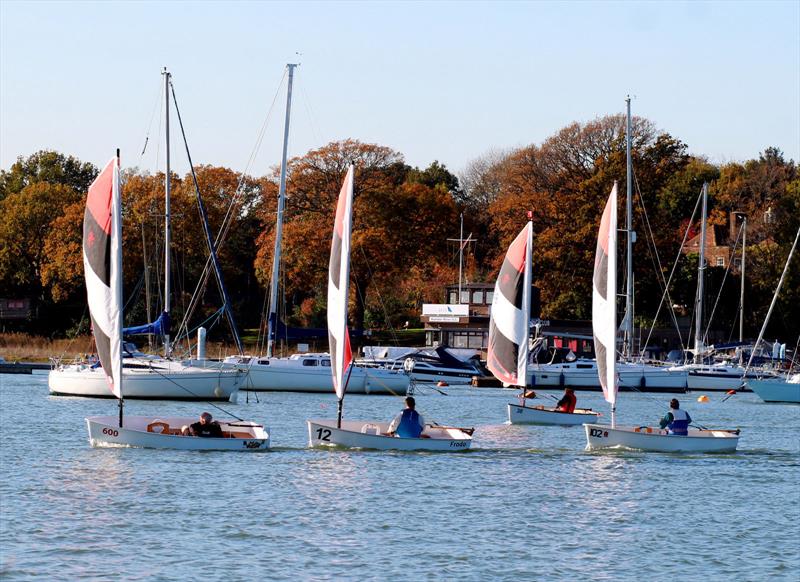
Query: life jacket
[409, 427]
[569, 405]
[680, 422]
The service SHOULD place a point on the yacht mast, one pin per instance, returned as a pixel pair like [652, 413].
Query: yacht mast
[167, 233]
[701, 269]
[627, 348]
[272, 321]
[741, 294]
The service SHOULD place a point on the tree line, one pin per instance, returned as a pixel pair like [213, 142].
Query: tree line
[403, 217]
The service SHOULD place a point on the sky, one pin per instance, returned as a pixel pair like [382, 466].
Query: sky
[446, 81]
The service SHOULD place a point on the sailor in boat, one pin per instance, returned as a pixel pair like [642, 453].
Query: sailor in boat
[567, 402]
[409, 424]
[205, 427]
[676, 420]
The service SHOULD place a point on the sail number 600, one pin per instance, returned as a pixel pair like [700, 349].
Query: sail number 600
[324, 434]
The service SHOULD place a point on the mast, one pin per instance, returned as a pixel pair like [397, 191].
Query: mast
[460, 255]
[526, 304]
[701, 268]
[272, 320]
[116, 261]
[741, 293]
[627, 348]
[167, 233]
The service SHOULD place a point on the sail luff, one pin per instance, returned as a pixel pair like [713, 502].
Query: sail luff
[102, 263]
[339, 286]
[509, 324]
[604, 296]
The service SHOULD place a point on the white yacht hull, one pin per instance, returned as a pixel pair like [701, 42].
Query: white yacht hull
[141, 431]
[291, 375]
[599, 436]
[360, 434]
[631, 377]
[172, 382]
[777, 390]
[518, 414]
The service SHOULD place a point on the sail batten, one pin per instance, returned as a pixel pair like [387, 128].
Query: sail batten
[604, 296]
[102, 264]
[507, 356]
[339, 286]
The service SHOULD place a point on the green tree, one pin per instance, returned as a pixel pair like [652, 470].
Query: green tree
[47, 166]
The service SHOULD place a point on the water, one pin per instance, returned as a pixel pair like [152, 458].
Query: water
[527, 503]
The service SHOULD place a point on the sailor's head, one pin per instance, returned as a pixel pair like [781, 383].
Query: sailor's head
[569, 390]
[410, 402]
[674, 404]
[205, 418]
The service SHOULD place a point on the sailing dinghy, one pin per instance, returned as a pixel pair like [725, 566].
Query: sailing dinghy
[102, 264]
[357, 433]
[509, 327]
[604, 325]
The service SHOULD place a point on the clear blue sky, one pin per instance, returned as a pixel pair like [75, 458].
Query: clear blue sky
[446, 80]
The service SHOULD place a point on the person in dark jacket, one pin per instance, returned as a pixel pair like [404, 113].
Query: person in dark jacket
[205, 427]
[568, 401]
[676, 420]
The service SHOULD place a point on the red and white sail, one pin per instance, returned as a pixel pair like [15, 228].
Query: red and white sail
[339, 286]
[102, 267]
[604, 299]
[510, 317]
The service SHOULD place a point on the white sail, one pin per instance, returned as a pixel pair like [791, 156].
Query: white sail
[604, 295]
[338, 287]
[510, 317]
[102, 265]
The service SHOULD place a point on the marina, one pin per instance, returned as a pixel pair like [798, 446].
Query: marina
[520, 493]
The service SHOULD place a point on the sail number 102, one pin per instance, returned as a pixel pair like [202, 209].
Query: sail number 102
[597, 432]
[324, 434]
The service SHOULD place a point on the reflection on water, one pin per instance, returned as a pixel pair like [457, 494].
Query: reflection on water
[526, 503]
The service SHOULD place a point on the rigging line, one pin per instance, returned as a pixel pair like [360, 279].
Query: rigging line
[653, 251]
[722, 286]
[669, 280]
[228, 218]
[312, 118]
[150, 125]
[392, 331]
[195, 395]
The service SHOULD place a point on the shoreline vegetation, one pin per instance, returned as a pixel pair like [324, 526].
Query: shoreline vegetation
[405, 251]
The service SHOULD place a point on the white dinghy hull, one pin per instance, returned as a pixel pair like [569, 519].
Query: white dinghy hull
[143, 432]
[361, 434]
[599, 436]
[518, 414]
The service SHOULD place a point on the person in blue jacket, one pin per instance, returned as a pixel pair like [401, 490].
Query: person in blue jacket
[409, 424]
[676, 420]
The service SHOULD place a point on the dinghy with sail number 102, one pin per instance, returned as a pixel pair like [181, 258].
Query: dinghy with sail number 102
[102, 263]
[604, 327]
[358, 433]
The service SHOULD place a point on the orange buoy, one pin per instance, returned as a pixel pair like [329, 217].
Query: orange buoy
[441, 383]
[702, 398]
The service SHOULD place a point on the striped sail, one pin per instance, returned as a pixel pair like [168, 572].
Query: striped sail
[507, 357]
[339, 285]
[102, 267]
[604, 299]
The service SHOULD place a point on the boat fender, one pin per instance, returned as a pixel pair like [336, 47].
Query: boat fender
[158, 424]
[561, 379]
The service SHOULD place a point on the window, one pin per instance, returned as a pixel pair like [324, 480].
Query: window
[310, 363]
[465, 297]
[326, 363]
[16, 304]
[477, 297]
[452, 297]
[489, 297]
[720, 261]
[264, 362]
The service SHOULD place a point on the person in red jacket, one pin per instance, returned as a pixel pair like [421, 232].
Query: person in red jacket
[567, 402]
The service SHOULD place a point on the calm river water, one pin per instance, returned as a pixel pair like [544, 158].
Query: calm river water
[527, 503]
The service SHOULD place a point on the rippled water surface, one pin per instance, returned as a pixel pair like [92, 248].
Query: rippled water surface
[527, 503]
